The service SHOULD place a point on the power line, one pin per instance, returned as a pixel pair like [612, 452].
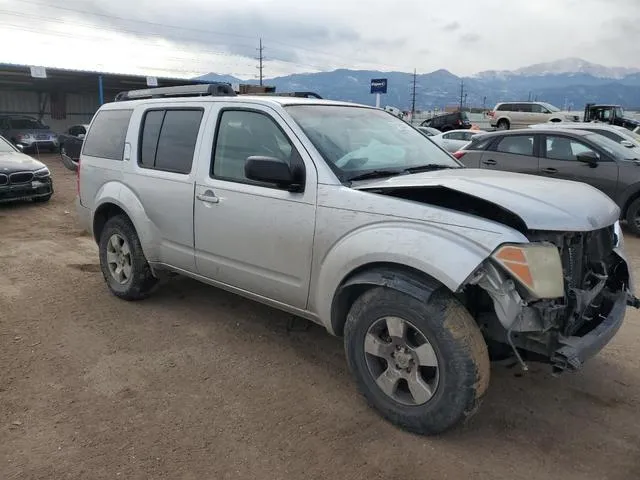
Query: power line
[260, 59]
[200, 30]
[190, 53]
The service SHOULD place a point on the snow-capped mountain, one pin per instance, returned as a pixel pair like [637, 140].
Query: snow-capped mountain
[565, 66]
[570, 81]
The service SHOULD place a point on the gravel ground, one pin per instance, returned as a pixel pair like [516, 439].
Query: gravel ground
[196, 383]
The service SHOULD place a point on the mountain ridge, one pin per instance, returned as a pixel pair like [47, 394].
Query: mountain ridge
[566, 83]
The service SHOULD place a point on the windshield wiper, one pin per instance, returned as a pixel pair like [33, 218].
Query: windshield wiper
[375, 174]
[428, 167]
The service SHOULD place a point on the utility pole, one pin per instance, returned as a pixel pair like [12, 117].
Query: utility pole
[260, 60]
[413, 95]
[461, 93]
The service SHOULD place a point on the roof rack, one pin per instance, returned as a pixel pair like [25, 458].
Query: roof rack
[290, 94]
[216, 89]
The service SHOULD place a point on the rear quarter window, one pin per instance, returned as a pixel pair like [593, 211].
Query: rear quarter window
[107, 134]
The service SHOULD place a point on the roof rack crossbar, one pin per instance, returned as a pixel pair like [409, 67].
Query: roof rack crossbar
[216, 89]
[288, 94]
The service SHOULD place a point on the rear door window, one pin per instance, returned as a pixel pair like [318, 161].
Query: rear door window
[108, 133]
[522, 107]
[516, 144]
[168, 139]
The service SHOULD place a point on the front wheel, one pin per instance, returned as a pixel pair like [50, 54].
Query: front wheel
[423, 365]
[123, 264]
[633, 217]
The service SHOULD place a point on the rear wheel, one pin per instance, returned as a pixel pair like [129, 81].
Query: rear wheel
[504, 124]
[633, 217]
[123, 264]
[423, 365]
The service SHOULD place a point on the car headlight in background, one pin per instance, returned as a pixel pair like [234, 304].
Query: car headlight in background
[537, 267]
[42, 172]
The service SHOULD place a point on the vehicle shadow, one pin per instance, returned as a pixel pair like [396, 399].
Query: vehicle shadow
[554, 410]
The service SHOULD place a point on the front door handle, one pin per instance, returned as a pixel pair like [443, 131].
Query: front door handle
[550, 170]
[489, 162]
[208, 196]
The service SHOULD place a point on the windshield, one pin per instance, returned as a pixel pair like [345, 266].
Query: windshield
[356, 141]
[550, 107]
[614, 148]
[634, 136]
[26, 124]
[6, 147]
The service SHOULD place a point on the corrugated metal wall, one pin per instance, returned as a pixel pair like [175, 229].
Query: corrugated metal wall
[80, 107]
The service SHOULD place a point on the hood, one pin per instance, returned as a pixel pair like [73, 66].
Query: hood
[541, 203]
[16, 161]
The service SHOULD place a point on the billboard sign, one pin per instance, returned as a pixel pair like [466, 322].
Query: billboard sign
[378, 85]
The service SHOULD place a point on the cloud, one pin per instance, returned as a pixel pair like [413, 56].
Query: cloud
[217, 35]
[470, 38]
[451, 27]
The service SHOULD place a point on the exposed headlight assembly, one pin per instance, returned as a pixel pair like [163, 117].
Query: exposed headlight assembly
[535, 266]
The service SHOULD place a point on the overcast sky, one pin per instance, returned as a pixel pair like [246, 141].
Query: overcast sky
[183, 38]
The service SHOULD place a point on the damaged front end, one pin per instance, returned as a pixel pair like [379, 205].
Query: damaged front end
[565, 324]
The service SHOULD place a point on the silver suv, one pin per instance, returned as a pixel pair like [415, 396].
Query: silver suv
[349, 217]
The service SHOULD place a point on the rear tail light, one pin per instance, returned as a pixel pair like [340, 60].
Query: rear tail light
[459, 154]
[491, 113]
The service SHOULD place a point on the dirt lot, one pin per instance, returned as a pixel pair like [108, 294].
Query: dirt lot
[196, 383]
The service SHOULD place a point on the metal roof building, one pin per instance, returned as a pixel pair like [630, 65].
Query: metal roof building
[61, 97]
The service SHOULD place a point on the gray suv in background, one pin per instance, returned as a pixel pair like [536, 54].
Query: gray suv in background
[346, 216]
[28, 133]
[567, 154]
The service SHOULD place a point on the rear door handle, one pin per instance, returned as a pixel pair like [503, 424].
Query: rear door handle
[208, 196]
[550, 170]
[489, 162]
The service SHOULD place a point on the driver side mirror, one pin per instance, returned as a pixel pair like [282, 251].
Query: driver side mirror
[81, 136]
[20, 147]
[590, 158]
[272, 170]
[627, 143]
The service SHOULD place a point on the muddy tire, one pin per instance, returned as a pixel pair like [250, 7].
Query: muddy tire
[633, 217]
[122, 261]
[425, 377]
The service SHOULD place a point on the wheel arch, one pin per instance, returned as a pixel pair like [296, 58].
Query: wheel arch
[395, 276]
[114, 199]
[630, 195]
